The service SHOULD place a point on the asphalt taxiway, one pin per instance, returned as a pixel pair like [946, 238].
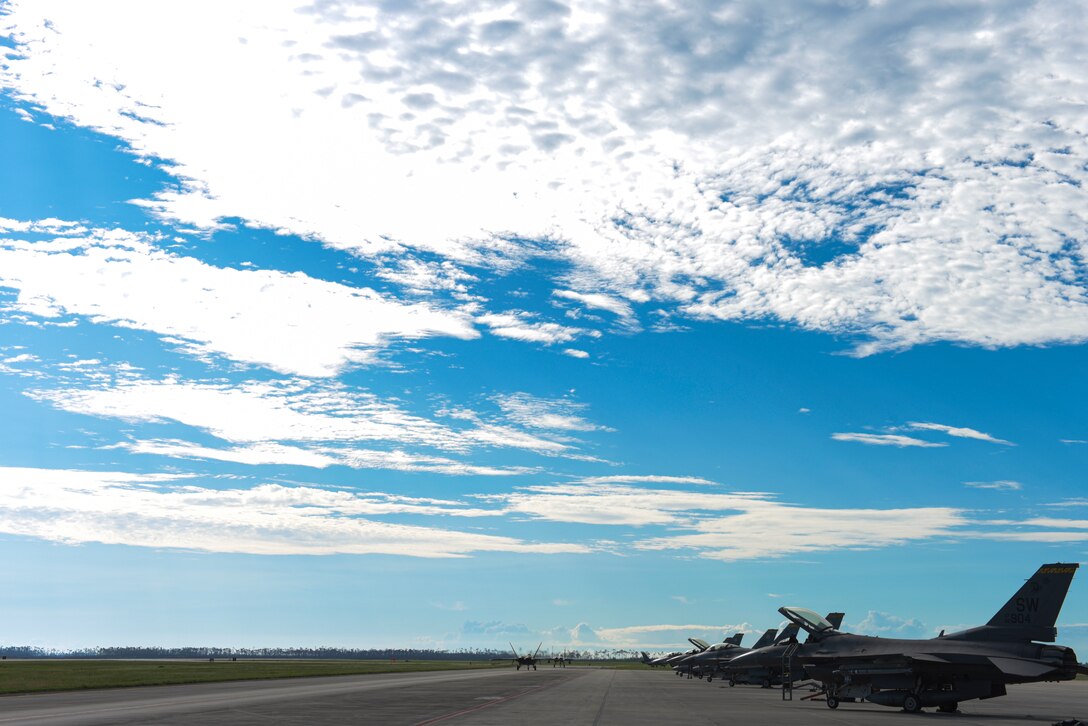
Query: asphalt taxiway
[590, 696]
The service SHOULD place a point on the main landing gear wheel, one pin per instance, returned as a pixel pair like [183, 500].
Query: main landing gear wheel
[912, 704]
[709, 679]
[732, 682]
[948, 707]
[832, 702]
[765, 683]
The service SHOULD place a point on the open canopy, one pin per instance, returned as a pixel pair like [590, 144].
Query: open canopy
[810, 620]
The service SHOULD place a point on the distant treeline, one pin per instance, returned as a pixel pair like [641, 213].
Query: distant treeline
[151, 652]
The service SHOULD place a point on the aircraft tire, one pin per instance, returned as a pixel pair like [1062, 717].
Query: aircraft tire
[832, 702]
[732, 682]
[912, 704]
[765, 683]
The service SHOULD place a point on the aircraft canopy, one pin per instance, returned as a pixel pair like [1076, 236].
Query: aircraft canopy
[810, 620]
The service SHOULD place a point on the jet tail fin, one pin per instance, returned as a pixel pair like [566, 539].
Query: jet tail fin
[835, 619]
[766, 639]
[790, 631]
[735, 638]
[1034, 609]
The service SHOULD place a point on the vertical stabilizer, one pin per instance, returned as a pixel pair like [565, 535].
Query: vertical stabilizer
[836, 620]
[766, 639]
[1035, 606]
[735, 638]
[790, 631]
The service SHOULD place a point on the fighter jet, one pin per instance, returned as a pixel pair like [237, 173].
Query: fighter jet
[943, 671]
[696, 664]
[765, 665]
[529, 661]
[672, 658]
[710, 661]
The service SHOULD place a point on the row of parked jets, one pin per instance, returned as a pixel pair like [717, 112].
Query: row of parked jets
[909, 674]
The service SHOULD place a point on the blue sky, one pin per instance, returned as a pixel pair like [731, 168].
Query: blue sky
[457, 325]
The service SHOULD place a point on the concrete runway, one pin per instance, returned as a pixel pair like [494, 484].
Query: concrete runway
[571, 696]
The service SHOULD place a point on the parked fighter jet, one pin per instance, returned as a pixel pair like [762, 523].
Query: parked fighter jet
[765, 665]
[710, 661]
[672, 658]
[942, 671]
[696, 664]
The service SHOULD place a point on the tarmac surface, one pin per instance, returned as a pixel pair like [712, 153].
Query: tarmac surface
[571, 696]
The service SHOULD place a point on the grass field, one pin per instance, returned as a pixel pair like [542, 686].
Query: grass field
[31, 676]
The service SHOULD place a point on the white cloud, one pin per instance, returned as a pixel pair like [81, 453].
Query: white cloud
[1073, 502]
[575, 353]
[289, 322]
[960, 432]
[907, 174]
[545, 413]
[888, 625]
[599, 301]
[1002, 485]
[519, 325]
[886, 440]
[74, 507]
[318, 457]
[269, 412]
[650, 479]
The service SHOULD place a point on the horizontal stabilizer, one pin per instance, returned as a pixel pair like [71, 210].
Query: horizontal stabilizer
[1022, 668]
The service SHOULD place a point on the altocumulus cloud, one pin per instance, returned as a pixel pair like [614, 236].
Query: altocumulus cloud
[734, 161]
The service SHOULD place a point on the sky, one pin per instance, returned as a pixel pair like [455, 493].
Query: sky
[454, 325]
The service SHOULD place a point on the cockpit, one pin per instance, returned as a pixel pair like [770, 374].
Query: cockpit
[808, 620]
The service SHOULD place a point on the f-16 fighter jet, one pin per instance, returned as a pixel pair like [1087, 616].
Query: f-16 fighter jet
[698, 663]
[766, 666]
[942, 671]
[711, 660]
[672, 658]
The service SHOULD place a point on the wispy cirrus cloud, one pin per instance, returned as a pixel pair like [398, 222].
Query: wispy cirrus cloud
[1006, 485]
[745, 525]
[300, 422]
[887, 440]
[559, 414]
[957, 431]
[74, 507]
[646, 479]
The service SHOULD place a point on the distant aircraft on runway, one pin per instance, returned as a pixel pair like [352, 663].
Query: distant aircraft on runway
[975, 663]
[529, 661]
